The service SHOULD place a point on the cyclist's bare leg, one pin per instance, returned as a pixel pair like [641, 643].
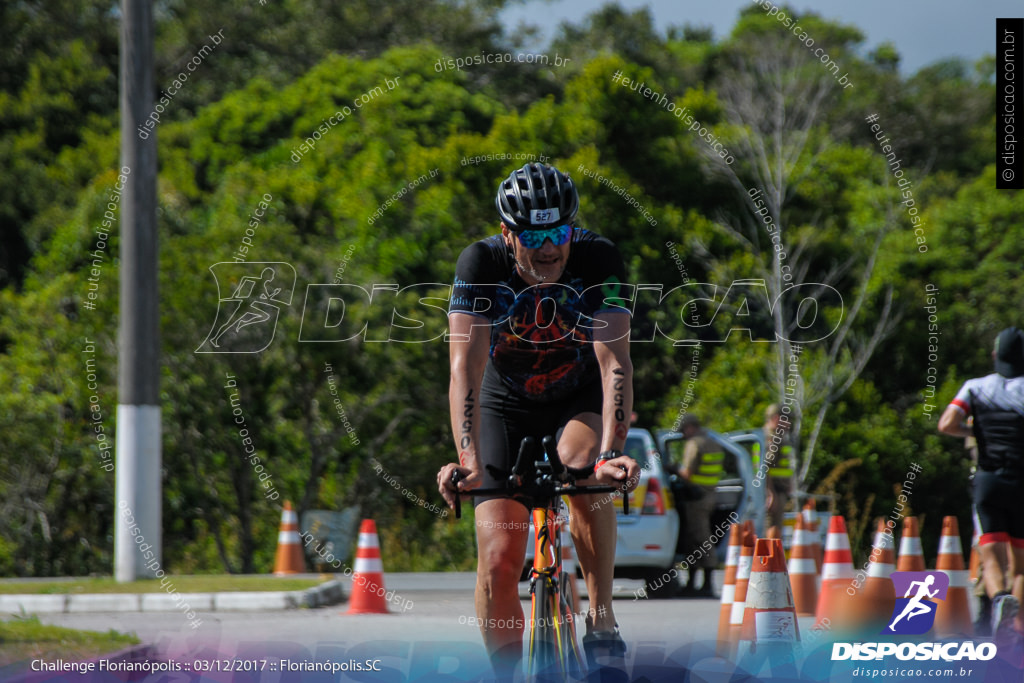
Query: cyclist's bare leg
[502, 531]
[1016, 566]
[592, 523]
[1015, 582]
[995, 561]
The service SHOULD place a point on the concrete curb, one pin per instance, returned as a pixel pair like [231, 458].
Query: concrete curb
[329, 593]
[324, 595]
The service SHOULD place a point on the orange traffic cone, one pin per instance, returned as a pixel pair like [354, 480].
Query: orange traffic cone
[811, 521]
[975, 561]
[732, 561]
[788, 529]
[288, 559]
[569, 565]
[910, 558]
[768, 612]
[770, 630]
[803, 576]
[742, 579]
[952, 615]
[836, 573]
[368, 577]
[877, 597]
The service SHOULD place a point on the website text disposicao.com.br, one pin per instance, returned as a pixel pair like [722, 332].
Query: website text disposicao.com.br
[457, 63]
[906, 661]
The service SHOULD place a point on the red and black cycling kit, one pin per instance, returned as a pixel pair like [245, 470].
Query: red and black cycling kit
[997, 404]
[542, 369]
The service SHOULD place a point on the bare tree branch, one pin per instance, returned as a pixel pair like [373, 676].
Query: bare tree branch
[774, 97]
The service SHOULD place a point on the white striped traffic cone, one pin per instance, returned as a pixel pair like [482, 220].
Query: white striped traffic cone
[770, 631]
[803, 574]
[769, 613]
[952, 615]
[910, 558]
[836, 573]
[732, 561]
[810, 515]
[742, 580]
[877, 598]
[368, 576]
[288, 559]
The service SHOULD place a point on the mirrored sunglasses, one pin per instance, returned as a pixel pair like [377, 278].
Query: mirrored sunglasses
[534, 239]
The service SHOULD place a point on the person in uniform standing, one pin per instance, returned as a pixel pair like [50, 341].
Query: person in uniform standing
[703, 466]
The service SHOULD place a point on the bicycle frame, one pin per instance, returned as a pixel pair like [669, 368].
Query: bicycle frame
[553, 646]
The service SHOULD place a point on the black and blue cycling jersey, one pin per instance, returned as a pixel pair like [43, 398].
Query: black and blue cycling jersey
[541, 336]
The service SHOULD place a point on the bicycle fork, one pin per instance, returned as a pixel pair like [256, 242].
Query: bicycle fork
[553, 645]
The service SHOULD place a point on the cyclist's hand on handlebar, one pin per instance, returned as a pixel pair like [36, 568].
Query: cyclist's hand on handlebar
[468, 479]
[622, 471]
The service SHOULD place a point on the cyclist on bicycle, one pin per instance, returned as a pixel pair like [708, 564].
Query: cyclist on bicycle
[539, 346]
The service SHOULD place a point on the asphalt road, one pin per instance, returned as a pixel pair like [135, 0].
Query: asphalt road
[430, 635]
[423, 606]
[435, 631]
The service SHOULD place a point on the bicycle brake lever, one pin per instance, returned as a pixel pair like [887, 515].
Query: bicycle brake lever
[551, 450]
[458, 501]
[625, 494]
[625, 501]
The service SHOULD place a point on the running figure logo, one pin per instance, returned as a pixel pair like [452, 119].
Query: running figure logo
[247, 316]
[915, 611]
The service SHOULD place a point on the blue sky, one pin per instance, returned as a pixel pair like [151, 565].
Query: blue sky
[923, 31]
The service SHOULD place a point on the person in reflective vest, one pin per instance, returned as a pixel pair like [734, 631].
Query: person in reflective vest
[703, 466]
[779, 460]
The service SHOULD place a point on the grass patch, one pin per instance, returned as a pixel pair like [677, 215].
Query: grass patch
[446, 545]
[23, 639]
[217, 583]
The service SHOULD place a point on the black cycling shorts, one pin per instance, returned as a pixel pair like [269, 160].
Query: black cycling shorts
[506, 418]
[997, 501]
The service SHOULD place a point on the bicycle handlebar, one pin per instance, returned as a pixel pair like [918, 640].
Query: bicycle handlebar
[560, 473]
[523, 459]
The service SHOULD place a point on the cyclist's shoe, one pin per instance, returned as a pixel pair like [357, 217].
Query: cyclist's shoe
[605, 648]
[1004, 614]
[983, 624]
[1005, 609]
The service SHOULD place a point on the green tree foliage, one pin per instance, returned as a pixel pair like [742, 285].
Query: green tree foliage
[58, 77]
[389, 195]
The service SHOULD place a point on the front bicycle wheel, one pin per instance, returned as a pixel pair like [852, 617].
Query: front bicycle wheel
[543, 655]
[573, 662]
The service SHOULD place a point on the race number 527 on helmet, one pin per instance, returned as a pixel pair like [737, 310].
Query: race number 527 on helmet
[537, 197]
